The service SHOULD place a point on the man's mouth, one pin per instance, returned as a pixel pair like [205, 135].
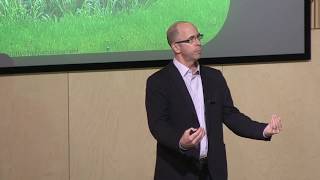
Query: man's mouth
[198, 51]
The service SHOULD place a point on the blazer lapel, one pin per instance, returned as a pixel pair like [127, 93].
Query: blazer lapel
[208, 93]
[182, 88]
[205, 85]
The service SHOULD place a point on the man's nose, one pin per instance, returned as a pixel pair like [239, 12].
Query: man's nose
[197, 42]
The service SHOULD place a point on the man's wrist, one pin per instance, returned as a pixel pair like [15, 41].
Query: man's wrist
[181, 147]
[265, 135]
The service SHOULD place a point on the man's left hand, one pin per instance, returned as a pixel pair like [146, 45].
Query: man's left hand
[274, 126]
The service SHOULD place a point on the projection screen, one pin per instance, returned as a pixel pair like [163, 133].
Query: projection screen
[65, 35]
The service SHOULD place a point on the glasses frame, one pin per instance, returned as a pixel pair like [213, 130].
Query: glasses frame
[191, 39]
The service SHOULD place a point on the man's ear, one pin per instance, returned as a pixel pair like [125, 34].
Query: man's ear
[175, 48]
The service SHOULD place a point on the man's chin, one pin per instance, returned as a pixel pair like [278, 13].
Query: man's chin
[197, 56]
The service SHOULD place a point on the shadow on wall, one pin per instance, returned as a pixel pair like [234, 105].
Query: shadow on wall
[6, 61]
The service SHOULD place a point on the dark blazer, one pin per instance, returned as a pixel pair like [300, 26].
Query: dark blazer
[170, 112]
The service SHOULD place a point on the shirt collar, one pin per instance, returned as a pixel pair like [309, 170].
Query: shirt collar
[184, 70]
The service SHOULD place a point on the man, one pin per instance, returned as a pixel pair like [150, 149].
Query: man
[186, 105]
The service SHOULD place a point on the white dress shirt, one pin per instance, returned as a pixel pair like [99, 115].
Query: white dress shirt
[194, 85]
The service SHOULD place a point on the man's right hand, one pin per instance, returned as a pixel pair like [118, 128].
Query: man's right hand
[190, 140]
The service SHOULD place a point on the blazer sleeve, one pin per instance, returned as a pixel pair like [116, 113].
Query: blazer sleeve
[238, 122]
[157, 107]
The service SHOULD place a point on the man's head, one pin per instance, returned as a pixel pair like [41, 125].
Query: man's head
[184, 39]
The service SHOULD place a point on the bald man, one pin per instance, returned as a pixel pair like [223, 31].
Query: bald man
[187, 105]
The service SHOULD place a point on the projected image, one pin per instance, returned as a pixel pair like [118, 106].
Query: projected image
[59, 27]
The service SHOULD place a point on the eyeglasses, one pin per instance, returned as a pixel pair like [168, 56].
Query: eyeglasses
[191, 39]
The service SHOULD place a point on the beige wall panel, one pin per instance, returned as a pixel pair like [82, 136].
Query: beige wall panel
[317, 14]
[313, 13]
[290, 90]
[315, 38]
[109, 137]
[34, 127]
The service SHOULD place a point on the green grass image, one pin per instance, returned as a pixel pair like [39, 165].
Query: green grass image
[31, 28]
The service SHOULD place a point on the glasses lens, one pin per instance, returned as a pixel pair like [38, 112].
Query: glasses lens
[194, 38]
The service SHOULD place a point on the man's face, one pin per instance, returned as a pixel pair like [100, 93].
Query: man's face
[188, 42]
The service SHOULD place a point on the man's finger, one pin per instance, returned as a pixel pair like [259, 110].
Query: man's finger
[195, 133]
[278, 123]
[199, 136]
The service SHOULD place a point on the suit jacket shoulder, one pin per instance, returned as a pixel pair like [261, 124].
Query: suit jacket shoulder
[162, 73]
[211, 73]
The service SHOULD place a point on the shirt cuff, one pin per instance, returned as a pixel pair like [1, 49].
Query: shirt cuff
[182, 148]
[265, 136]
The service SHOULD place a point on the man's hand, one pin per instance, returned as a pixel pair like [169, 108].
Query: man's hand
[190, 140]
[274, 126]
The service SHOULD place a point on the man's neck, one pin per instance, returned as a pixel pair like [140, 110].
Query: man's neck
[190, 64]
